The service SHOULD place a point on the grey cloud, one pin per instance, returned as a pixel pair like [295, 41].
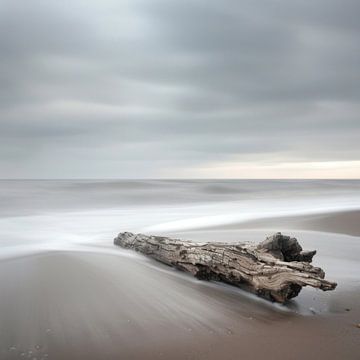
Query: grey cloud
[163, 85]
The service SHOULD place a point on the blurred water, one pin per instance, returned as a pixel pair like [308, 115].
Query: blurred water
[18, 197]
[37, 214]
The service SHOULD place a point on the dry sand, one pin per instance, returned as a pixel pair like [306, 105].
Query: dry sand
[87, 305]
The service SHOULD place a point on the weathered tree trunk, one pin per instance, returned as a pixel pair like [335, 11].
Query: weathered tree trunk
[275, 269]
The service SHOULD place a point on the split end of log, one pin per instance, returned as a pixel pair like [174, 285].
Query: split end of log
[285, 248]
[276, 269]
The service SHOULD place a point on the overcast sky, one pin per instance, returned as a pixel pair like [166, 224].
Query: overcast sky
[179, 88]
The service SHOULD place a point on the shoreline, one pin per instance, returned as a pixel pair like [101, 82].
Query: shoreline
[112, 303]
[345, 222]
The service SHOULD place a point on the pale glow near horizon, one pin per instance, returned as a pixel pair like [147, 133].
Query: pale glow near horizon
[285, 170]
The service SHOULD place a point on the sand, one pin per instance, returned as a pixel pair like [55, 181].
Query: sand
[340, 222]
[115, 304]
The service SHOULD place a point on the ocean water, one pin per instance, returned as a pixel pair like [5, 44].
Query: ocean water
[42, 215]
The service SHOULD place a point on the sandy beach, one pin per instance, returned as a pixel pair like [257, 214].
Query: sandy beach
[88, 305]
[91, 306]
[92, 300]
[343, 222]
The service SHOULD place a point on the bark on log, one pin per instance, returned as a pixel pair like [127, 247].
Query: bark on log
[275, 269]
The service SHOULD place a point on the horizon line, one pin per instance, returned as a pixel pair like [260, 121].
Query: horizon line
[169, 179]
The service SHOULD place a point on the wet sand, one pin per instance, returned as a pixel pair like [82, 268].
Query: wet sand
[116, 304]
[340, 222]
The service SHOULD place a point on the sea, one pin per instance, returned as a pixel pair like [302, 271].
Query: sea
[38, 215]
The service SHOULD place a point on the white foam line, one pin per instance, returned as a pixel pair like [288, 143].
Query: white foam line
[233, 218]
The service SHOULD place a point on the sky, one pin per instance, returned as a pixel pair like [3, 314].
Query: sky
[179, 89]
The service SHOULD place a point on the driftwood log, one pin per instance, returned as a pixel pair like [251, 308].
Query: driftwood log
[275, 269]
